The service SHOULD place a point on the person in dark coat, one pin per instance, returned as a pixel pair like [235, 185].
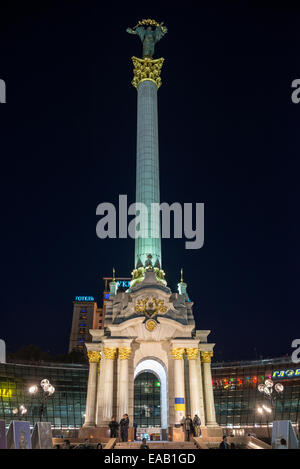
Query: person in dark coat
[113, 426]
[197, 425]
[224, 444]
[188, 426]
[124, 424]
[134, 428]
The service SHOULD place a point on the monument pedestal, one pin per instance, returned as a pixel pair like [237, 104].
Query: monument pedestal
[177, 434]
[102, 433]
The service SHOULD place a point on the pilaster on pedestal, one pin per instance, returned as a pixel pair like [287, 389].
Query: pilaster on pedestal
[123, 391]
[94, 360]
[210, 412]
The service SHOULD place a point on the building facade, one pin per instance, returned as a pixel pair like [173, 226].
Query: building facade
[66, 407]
[235, 388]
[86, 315]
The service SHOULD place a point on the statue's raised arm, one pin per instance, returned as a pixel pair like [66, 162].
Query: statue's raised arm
[130, 31]
[159, 32]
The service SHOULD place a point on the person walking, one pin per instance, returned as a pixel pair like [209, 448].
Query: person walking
[224, 444]
[113, 426]
[124, 424]
[188, 426]
[197, 425]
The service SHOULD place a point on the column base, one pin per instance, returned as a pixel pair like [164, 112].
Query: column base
[88, 424]
[213, 431]
[101, 434]
[177, 433]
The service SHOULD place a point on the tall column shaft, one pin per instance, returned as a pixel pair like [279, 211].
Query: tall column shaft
[107, 405]
[90, 410]
[123, 391]
[208, 390]
[179, 394]
[147, 171]
[195, 396]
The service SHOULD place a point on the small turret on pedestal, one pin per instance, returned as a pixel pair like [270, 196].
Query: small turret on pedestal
[113, 286]
[182, 286]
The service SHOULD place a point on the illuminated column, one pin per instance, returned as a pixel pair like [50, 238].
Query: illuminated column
[195, 389]
[90, 417]
[108, 378]
[208, 390]
[179, 401]
[147, 80]
[124, 354]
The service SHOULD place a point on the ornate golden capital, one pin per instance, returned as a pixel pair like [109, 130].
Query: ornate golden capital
[110, 352]
[94, 357]
[192, 353]
[206, 357]
[177, 353]
[124, 353]
[146, 69]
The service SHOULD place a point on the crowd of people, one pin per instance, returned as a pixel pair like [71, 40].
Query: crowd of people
[192, 427]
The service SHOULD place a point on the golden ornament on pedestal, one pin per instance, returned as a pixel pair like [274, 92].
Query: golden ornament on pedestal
[206, 357]
[192, 353]
[94, 357]
[177, 353]
[150, 325]
[110, 352]
[124, 353]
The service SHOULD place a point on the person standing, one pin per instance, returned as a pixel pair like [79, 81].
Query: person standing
[144, 444]
[134, 428]
[197, 425]
[224, 444]
[188, 424]
[67, 444]
[113, 426]
[124, 424]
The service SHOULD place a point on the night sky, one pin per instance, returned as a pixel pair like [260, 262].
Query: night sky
[228, 136]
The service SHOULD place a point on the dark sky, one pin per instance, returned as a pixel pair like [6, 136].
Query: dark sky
[229, 137]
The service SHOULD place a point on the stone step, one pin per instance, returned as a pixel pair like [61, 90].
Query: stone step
[158, 445]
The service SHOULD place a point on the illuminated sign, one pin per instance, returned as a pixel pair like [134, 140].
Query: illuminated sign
[286, 374]
[84, 298]
[123, 283]
[5, 392]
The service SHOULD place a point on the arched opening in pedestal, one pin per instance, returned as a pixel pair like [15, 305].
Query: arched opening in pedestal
[147, 410]
[151, 394]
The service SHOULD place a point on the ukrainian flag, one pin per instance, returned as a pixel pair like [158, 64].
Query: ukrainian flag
[179, 403]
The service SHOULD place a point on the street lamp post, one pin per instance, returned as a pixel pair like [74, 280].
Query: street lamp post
[43, 393]
[271, 393]
[21, 411]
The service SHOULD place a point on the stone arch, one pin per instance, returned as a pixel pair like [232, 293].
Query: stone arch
[155, 366]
